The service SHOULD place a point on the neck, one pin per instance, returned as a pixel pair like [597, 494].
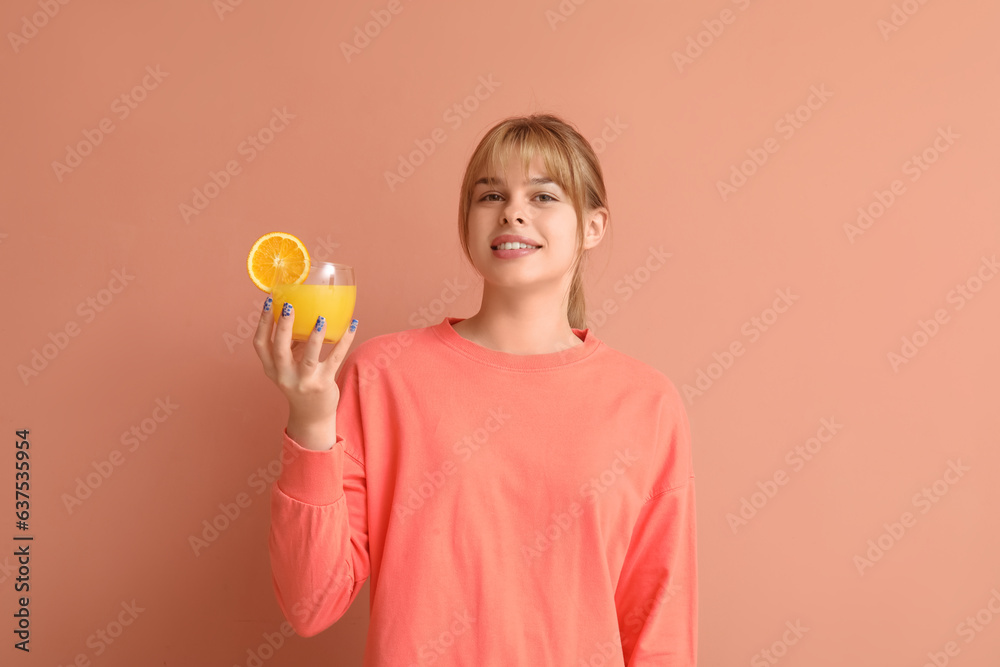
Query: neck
[519, 328]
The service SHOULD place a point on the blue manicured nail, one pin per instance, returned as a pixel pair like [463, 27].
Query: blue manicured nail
[267, 305]
[320, 323]
[354, 325]
[286, 310]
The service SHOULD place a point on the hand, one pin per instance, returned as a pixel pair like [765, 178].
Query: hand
[306, 380]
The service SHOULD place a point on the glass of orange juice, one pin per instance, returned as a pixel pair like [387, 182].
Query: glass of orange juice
[329, 290]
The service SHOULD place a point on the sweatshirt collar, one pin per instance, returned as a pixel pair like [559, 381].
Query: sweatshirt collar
[506, 360]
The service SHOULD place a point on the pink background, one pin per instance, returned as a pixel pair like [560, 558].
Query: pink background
[668, 133]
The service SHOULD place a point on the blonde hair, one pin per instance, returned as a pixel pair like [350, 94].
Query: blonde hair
[569, 160]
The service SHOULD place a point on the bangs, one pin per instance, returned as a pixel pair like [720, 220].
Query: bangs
[528, 141]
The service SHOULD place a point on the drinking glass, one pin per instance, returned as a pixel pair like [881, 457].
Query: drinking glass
[329, 290]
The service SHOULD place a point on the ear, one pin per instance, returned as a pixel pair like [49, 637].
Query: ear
[595, 223]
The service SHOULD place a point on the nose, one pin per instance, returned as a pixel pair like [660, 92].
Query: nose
[513, 212]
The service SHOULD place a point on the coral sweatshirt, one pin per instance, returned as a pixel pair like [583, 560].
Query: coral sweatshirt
[509, 509]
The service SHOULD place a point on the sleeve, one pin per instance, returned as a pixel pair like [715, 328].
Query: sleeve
[657, 593]
[318, 537]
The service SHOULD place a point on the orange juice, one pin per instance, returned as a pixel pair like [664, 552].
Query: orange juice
[334, 302]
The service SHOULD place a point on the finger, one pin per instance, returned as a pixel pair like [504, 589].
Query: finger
[262, 337]
[310, 352]
[332, 363]
[283, 337]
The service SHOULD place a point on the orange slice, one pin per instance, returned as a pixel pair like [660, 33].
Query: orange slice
[277, 253]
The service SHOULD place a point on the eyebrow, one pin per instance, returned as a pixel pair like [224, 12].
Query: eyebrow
[537, 180]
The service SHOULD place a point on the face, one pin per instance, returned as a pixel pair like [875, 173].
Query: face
[528, 205]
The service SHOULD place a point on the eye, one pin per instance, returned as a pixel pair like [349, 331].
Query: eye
[550, 197]
[487, 197]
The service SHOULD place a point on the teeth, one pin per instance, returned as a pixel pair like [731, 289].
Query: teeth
[512, 246]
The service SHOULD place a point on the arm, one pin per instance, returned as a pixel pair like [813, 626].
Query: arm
[657, 594]
[318, 537]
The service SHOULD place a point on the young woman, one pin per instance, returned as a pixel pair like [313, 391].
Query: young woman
[518, 492]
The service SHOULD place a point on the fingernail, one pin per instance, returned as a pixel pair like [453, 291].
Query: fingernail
[267, 305]
[286, 310]
[354, 325]
[320, 323]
